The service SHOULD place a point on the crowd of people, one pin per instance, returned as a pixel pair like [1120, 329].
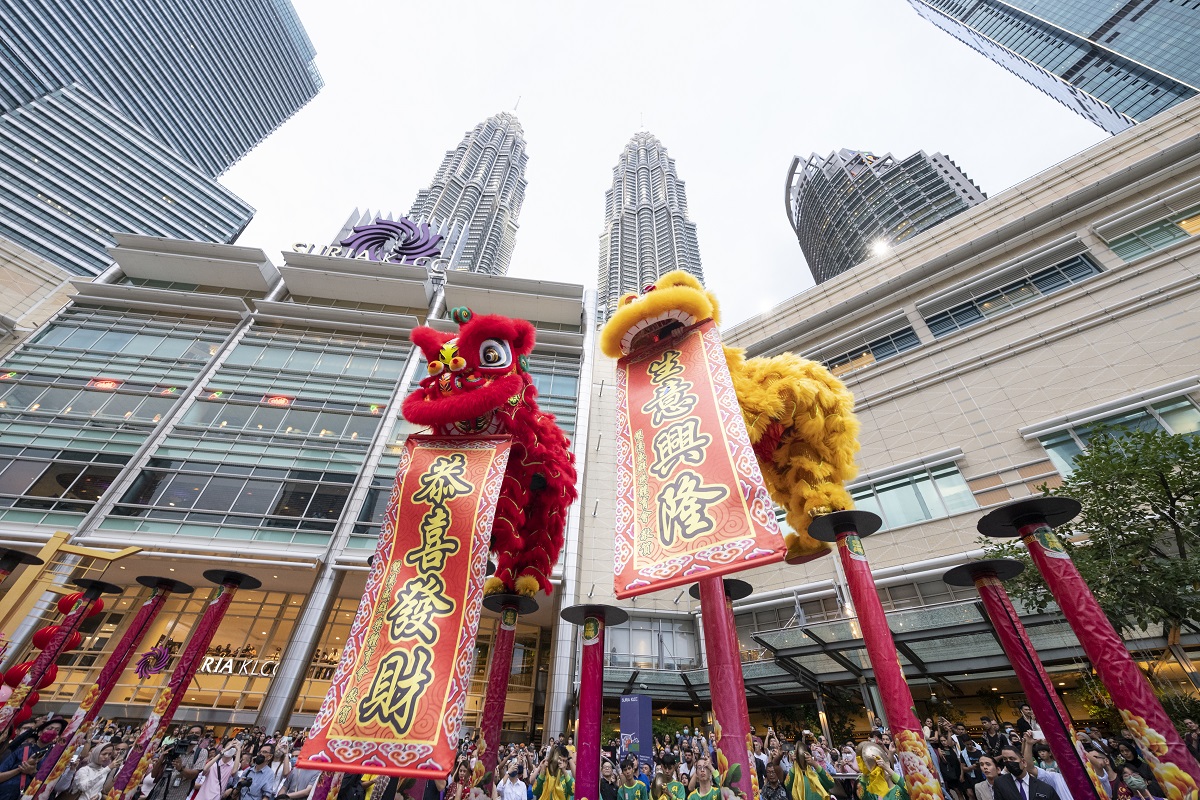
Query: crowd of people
[994, 761]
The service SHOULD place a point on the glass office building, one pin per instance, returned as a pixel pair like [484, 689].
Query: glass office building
[853, 204]
[1114, 63]
[72, 169]
[249, 422]
[210, 80]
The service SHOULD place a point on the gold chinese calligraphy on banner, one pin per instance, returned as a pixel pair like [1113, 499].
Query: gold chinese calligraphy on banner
[691, 501]
[396, 702]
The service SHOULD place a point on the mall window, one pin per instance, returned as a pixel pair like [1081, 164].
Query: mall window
[235, 496]
[235, 673]
[557, 380]
[653, 643]
[880, 349]
[59, 480]
[929, 493]
[1156, 236]
[1027, 289]
[1178, 415]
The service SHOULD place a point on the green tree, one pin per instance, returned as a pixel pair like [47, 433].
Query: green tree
[1137, 540]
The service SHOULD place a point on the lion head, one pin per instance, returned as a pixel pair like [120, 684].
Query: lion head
[672, 303]
[471, 374]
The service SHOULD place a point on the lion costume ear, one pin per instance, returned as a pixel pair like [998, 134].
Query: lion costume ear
[716, 312]
[429, 341]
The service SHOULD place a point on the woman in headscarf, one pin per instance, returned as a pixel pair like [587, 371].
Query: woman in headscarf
[96, 776]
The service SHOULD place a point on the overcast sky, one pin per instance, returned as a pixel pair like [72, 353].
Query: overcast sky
[732, 91]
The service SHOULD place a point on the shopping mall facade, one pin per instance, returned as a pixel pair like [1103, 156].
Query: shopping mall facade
[216, 410]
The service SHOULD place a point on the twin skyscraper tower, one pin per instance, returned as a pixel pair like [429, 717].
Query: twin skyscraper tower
[475, 199]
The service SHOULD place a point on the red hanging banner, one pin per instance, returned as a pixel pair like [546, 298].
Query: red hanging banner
[397, 698]
[691, 501]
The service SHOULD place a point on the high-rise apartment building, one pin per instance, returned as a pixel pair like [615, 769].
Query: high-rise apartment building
[479, 189]
[646, 227]
[211, 80]
[852, 204]
[1114, 63]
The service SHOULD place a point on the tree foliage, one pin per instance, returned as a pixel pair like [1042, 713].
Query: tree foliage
[1137, 540]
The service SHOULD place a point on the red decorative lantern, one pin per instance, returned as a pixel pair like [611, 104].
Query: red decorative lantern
[16, 673]
[68, 601]
[43, 636]
[22, 716]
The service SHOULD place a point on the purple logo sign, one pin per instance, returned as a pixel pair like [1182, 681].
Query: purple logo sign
[399, 241]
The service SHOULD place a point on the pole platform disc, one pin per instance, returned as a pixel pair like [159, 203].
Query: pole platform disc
[1006, 521]
[238, 579]
[611, 615]
[498, 602]
[97, 588]
[826, 527]
[169, 584]
[1000, 568]
[8, 556]
[734, 589]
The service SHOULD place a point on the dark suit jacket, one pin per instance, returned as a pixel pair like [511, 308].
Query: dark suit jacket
[1005, 788]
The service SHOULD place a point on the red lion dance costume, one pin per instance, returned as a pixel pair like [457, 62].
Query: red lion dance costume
[479, 385]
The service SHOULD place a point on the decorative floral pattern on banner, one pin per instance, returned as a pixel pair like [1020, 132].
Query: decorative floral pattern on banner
[690, 496]
[398, 696]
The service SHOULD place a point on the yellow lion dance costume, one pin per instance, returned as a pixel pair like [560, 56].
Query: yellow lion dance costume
[800, 418]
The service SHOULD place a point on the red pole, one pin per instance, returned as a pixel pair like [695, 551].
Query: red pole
[594, 619]
[491, 720]
[54, 648]
[987, 577]
[56, 761]
[141, 753]
[1033, 520]
[846, 528]
[723, 652]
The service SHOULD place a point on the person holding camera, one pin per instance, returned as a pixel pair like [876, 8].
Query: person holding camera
[512, 787]
[258, 782]
[176, 768]
[216, 778]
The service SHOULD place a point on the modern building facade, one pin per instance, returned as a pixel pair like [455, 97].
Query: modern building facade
[980, 358]
[73, 169]
[251, 422]
[646, 228]
[853, 204]
[209, 80]
[478, 190]
[1112, 63]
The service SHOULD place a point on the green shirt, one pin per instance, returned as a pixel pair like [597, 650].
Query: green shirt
[809, 793]
[636, 792]
[677, 790]
[712, 794]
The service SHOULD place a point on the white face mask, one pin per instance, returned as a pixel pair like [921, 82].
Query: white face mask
[230, 753]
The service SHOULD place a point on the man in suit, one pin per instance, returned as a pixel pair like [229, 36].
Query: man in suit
[1018, 784]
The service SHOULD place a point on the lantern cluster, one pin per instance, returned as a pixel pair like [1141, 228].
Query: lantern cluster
[41, 639]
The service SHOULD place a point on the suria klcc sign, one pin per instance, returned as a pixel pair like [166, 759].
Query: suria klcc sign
[399, 241]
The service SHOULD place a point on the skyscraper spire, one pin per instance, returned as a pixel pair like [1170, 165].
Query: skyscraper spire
[646, 227]
[480, 187]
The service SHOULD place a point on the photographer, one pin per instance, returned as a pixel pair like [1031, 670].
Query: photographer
[258, 782]
[218, 773]
[177, 766]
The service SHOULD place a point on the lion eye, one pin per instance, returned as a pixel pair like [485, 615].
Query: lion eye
[495, 354]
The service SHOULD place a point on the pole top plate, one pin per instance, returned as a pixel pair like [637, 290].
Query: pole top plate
[826, 527]
[611, 615]
[1006, 521]
[498, 602]
[734, 589]
[1000, 568]
[170, 584]
[15, 557]
[97, 587]
[238, 579]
